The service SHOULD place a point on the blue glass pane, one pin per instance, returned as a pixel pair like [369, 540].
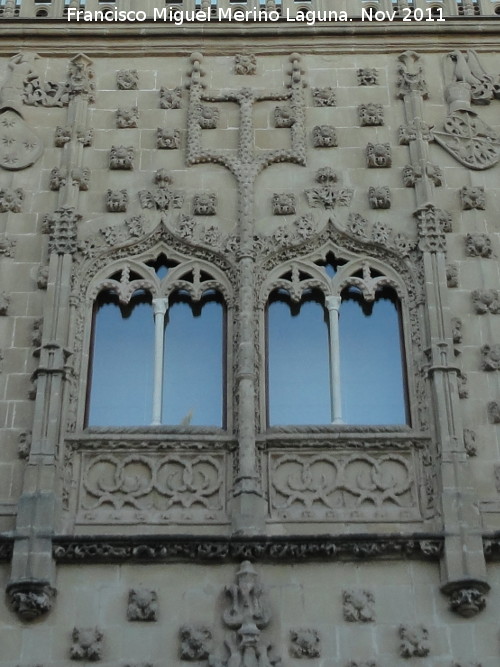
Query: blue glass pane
[122, 368]
[193, 365]
[373, 390]
[299, 384]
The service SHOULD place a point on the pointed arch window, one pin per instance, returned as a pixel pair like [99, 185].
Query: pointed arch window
[158, 351]
[335, 347]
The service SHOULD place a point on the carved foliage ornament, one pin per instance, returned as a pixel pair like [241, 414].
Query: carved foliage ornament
[327, 194]
[87, 644]
[416, 129]
[486, 301]
[470, 442]
[127, 117]
[305, 643]
[4, 303]
[11, 199]
[142, 605]
[127, 79]
[380, 197]
[367, 76]
[168, 139]
[116, 201]
[284, 203]
[195, 642]
[490, 357]
[478, 245]
[121, 157]
[472, 198]
[414, 641]
[324, 97]
[324, 136]
[371, 114]
[494, 412]
[162, 197]
[208, 116]
[245, 63]
[170, 98]
[359, 606]
[452, 275]
[205, 204]
[379, 233]
[92, 550]
[378, 155]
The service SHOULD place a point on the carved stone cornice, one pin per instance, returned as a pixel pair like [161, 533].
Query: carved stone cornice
[111, 549]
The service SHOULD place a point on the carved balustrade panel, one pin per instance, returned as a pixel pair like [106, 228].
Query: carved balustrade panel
[344, 485]
[131, 485]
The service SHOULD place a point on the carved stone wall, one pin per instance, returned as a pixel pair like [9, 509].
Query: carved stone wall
[247, 167]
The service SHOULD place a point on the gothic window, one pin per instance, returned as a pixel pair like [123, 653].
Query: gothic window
[157, 352]
[335, 347]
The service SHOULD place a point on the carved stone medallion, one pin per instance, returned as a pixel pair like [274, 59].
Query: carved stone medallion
[20, 147]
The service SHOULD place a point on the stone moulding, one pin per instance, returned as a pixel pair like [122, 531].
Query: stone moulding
[203, 549]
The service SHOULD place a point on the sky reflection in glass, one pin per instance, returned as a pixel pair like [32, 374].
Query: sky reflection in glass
[122, 368]
[371, 370]
[193, 368]
[123, 361]
[371, 364]
[299, 384]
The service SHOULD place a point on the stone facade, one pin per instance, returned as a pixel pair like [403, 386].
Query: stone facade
[247, 160]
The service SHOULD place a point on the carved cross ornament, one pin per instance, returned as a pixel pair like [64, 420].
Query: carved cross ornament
[248, 163]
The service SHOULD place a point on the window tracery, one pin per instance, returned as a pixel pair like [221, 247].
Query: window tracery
[359, 308]
[169, 313]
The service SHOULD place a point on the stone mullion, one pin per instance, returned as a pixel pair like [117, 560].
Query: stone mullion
[463, 570]
[31, 588]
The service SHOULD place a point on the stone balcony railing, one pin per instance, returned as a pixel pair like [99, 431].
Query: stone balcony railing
[58, 9]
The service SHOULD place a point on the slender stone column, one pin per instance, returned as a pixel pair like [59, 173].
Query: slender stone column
[463, 570]
[32, 585]
[160, 308]
[333, 306]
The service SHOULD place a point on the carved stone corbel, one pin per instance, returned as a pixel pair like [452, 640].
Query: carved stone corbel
[467, 598]
[30, 599]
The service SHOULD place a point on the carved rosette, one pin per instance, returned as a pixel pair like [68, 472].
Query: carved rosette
[30, 599]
